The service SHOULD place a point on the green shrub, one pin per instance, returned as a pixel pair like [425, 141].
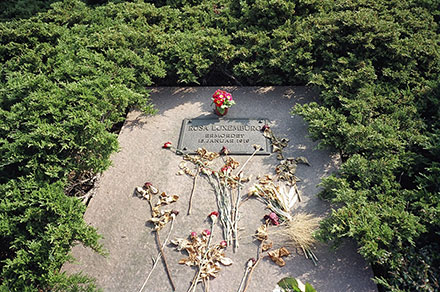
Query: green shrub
[377, 65]
[40, 224]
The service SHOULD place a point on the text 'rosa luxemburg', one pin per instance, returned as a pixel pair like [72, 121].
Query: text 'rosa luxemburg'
[244, 128]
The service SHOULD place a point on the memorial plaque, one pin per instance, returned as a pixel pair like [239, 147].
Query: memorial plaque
[238, 135]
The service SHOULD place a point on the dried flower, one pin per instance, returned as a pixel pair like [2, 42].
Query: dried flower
[224, 151]
[203, 255]
[273, 218]
[142, 193]
[256, 147]
[167, 145]
[147, 184]
[265, 127]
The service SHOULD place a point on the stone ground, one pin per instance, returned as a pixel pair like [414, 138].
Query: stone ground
[122, 217]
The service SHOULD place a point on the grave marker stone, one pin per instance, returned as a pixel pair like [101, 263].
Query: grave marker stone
[237, 135]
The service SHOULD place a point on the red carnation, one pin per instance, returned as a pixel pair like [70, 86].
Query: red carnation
[273, 218]
[224, 151]
[214, 213]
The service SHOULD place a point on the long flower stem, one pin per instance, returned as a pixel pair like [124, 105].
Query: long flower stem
[237, 204]
[159, 255]
[165, 261]
[249, 159]
[248, 280]
[192, 191]
[246, 273]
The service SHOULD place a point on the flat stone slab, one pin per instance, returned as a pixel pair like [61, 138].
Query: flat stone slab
[121, 217]
[237, 135]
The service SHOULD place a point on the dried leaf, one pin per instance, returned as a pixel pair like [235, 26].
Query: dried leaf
[165, 199]
[185, 261]
[181, 243]
[276, 256]
[226, 261]
[262, 232]
[275, 148]
[153, 190]
[266, 246]
[284, 252]
[302, 160]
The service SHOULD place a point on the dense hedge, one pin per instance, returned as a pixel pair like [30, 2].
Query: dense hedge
[378, 66]
[71, 71]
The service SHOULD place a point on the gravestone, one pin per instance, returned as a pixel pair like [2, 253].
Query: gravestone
[121, 217]
[237, 135]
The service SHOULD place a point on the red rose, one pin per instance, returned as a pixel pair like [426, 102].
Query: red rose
[167, 145]
[223, 243]
[206, 232]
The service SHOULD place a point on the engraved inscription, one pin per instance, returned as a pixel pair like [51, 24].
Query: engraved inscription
[238, 135]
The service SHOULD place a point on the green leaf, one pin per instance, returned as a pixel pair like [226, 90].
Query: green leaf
[289, 284]
[309, 288]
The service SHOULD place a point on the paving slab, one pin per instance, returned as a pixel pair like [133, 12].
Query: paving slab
[122, 217]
